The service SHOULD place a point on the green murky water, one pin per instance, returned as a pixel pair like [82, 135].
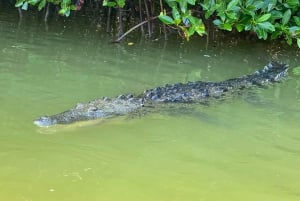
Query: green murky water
[244, 148]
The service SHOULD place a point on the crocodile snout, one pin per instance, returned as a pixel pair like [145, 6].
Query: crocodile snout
[44, 121]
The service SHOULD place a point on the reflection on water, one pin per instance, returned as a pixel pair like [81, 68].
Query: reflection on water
[243, 148]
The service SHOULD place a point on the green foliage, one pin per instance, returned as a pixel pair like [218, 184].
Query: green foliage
[182, 17]
[267, 18]
[65, 5]
[118, 3]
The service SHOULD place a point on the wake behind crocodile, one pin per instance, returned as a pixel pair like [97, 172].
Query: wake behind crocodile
[191, 92]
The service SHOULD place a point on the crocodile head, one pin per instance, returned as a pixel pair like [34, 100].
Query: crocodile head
[44, 121]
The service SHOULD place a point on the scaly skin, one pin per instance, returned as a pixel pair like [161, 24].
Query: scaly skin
[190, 92]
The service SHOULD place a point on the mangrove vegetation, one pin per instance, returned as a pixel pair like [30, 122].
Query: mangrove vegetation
[264, 19]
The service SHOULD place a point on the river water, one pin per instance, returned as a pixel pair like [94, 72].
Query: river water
[246, 147]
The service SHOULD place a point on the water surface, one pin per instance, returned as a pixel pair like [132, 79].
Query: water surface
[243, 148]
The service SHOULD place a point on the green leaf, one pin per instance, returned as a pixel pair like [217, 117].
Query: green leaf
[104, 3]
[200, 29]
[166, 19]
[232, 15]
[232, 4]
[108, 3]
[120, 3]
[222, 16]
[298, 42]
[111, 4]
[261, 33]
[193, 20]
[171, 3]
[289, 39]
[183, 6]
[217, 22]
[275, 15]
[286, 16]
[42, 4]
[67, 13]
[292, 3]
[276, 34]
[210, 7]
[19, 3]
[176, 15]
[192, 2]
[248, 27]
[62, 11]
[294, 28]
[266, 26]
[191, 31]
[197, 25]
[226, 26]
[297, 20]
[263, 18]
[33, 2]
[25, 5]
[239, 27]
[73, 7]
[249, 12]
[258, 4]
[249, 2]
[271, 5]
[208, 13]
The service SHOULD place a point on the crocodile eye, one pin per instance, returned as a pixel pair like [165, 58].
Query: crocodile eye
[92, 109]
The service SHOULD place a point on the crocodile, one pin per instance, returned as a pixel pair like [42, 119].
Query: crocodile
[190, 92]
